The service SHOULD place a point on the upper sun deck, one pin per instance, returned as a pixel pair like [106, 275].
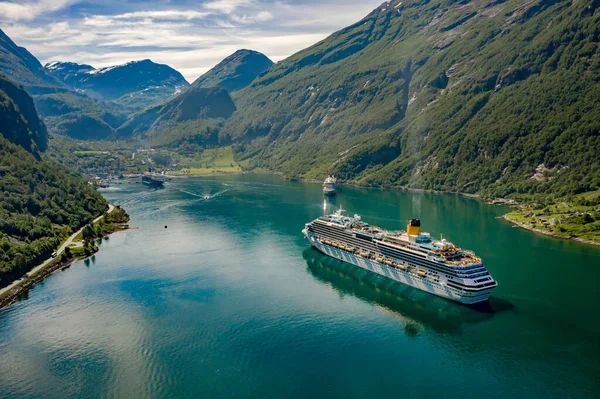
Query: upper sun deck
[436, 250]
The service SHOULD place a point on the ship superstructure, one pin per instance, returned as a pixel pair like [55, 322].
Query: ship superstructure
[411, 257]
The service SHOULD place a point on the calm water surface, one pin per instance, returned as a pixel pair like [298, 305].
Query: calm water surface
[230, 301]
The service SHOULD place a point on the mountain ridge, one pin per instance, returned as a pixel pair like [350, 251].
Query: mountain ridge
[138, 84]
[235, 71]
[195, 115]
[432, 95]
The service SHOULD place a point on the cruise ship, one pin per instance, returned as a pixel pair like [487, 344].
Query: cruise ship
[410, 257]
[329, 186]
[153, 179]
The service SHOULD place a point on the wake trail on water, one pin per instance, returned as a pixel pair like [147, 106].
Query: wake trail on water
[207, 197]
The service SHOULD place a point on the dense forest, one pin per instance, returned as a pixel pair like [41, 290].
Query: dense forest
[41, 203]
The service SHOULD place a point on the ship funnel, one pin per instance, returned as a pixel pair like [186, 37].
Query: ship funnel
[414, 227]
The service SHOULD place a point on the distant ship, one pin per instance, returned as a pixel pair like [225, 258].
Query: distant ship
[329, 186]
[153, 179]
[409, 257]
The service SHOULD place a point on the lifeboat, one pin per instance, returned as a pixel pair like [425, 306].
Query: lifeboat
[403, 267]
[364, 253]
[379, 258]
[389, 262]
[334, 244]
[422, 273]
[349, 248]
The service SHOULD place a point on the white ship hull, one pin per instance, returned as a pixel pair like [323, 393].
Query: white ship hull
[405, 277]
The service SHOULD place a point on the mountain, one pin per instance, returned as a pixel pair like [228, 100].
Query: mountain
[19, 119]
[19, 64]
[487, 96]
[236, 71]
[137, 84]
[197, 115]
[65, 111]
[69, 72]
[41, 202]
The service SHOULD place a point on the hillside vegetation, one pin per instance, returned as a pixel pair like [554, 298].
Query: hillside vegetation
[41, 203]
[492, 97]
[19, 120]
[194, 117]
[64, 110]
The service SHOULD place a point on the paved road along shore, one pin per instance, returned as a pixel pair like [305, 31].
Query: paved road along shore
[60, 250]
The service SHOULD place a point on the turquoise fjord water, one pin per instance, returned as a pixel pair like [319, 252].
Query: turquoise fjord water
[230, 301]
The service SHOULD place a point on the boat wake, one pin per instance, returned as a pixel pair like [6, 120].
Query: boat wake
[205, 197]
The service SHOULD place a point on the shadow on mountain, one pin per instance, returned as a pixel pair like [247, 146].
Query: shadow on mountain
[413, 307]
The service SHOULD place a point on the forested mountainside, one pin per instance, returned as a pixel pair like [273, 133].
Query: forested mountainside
[64, 110]
[41, 203]
[236, 71]
[484, 96]
[19, 120]
[137, 84]
[196, 115]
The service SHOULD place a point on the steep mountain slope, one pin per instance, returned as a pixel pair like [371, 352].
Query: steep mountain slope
[236, 71]
[19, 120]
[61, 107]
[486, 96]
[137, 83]
[18, 63]
[40, 202]
[196, 115]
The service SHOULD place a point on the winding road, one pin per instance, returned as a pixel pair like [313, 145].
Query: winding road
[60, 250]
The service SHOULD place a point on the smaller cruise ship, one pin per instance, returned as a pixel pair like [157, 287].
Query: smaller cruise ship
[329, 186]
[153, 179]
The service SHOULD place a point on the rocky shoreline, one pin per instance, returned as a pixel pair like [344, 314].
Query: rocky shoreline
[549, 233]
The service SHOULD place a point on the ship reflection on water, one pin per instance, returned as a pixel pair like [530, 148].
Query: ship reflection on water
[414, 308]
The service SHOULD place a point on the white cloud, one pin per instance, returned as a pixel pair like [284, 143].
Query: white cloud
[190, 40]
[164, 14]
[262, 16]
[226, 6]
[30, 10]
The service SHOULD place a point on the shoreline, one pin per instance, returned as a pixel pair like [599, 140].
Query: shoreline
[20, 287]
[548, 233]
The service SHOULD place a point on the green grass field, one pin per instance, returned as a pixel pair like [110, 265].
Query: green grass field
[218, 160]
[579, 217]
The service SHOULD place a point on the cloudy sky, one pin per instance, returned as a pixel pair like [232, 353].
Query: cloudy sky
[190, 35]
